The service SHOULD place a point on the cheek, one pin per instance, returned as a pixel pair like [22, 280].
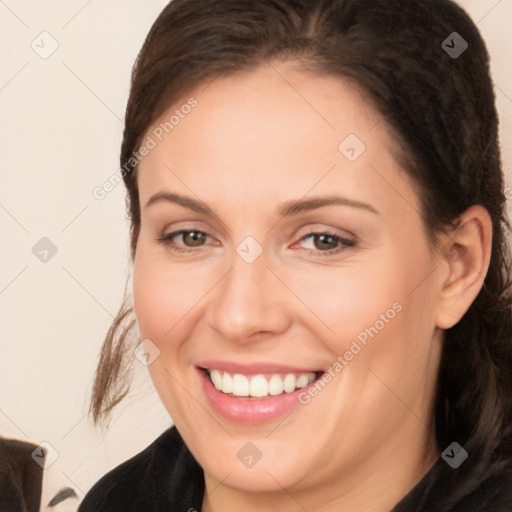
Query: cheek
[344, 304]
[384, 306]
[389, 324]
[152, 301]
[163, 296]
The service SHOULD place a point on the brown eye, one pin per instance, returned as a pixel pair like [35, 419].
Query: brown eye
[193, 238]
[326, 244]
[190, 238]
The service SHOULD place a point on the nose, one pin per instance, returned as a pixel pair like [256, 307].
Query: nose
[249, 302]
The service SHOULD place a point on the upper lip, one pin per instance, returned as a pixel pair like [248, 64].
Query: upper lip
[253, 368]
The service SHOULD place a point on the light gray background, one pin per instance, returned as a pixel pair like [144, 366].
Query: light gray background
[60, 133]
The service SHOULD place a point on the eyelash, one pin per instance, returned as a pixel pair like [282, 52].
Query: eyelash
[345, 243]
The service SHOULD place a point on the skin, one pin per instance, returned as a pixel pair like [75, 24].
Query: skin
[255, 141]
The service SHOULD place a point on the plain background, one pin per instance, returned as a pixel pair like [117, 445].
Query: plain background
[60, 134]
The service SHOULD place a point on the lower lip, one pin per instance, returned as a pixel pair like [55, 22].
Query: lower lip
[250, 410]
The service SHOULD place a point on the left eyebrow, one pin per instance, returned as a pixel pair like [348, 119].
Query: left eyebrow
[295, 207]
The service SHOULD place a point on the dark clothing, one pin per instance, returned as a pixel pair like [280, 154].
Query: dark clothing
[165, 477]
[21, 477]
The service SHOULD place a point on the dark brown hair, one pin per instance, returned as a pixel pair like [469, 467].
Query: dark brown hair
[441, 111]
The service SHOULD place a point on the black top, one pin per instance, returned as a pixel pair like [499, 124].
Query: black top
[165, 477]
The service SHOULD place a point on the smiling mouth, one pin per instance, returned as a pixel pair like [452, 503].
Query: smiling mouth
[259, 385]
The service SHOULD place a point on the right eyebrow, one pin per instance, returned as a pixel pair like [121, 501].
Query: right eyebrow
[186, 202]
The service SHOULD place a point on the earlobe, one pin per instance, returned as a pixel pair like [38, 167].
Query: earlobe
[466, 254]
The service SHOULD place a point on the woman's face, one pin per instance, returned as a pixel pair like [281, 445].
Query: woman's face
[303, 252]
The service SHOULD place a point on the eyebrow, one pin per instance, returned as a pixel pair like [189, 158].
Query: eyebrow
[287, 209]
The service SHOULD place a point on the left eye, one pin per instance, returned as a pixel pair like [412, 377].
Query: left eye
[323, 242]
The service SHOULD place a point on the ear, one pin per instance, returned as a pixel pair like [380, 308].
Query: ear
[464, 254]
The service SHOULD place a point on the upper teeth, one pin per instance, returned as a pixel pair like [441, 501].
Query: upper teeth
[259, 385]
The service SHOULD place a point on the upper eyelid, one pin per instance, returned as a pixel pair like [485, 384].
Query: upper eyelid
[197, 225]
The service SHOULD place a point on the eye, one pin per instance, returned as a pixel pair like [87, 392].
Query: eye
[190, 238]
[325, 243]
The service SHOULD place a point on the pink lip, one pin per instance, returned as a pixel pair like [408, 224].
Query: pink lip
[250, 410]
[253, 368]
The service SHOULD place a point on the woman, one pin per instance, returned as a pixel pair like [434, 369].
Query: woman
[321, 276]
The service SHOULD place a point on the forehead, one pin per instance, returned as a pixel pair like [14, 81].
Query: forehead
[274, 132]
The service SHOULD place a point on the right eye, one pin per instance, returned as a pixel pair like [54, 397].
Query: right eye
[192, 236]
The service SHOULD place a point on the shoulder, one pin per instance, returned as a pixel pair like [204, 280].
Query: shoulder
[116, 489]
[147, 478]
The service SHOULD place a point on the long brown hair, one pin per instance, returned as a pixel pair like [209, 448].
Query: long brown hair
[440, 108]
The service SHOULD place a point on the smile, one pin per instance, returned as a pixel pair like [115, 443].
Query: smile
[252, 393]
[258, 386]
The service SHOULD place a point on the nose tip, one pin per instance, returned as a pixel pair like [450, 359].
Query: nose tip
[248, 300]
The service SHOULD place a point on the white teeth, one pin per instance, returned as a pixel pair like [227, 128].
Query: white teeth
[240, 385]
[302, 381]
[289, 383]
[216, 377]
[275, 385]
[227, 383]
[259, 386]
